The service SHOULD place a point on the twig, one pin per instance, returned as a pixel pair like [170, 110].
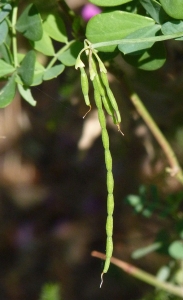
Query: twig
[142, 275]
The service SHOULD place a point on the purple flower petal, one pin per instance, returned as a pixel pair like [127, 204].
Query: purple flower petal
[89, 10]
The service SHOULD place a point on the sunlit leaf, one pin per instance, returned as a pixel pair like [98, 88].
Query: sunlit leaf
[26, 70]
[5, 68]
[68, 58]
[172, 27]
[44, 45]
[38, 74]
[6, 53]
[109, 2]
[155, 10]
[7, 93]
[114, 25]
[149, 60]
[53, 72]
[55, 28]
[4, 11]
[173, 8]
[29, 23]
[3, 31]
[145, 32]
[26, 94]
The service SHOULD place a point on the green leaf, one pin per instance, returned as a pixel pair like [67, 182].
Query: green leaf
[7, 93]
[174, 26]
[146, 250]
[38, 74]
[29, 23]
[155, 10]
[26, 69]
[109, 2]
[53, 72]
[45, 45]
[3, 31]
[6, 53]
[4, 12]
[149, 31]
[114, 25]
[55, 28]
[176, 250]
[26, 94]
[5, 68]
[173, 8]
[149, 60]
[68, 58]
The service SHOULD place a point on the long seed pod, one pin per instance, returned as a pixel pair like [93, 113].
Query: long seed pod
[110, 182]
[101, 88]
[85, 89]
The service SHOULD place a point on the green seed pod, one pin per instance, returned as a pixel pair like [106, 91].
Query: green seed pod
[108, 160]
[109, 248]
[112, 99]
[105, 138]
[101, 117]
[104, 79]
[110, 204]
[107, 264]
[97, 98]
[118, 117]
[110, 182]
[109, 226]
[108, 107]
[85, 85]
[100, 87]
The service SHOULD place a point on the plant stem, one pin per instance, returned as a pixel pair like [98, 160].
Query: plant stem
[14, 38]
[175, 169]
[54, 59]
[142, 275]
[141, 40]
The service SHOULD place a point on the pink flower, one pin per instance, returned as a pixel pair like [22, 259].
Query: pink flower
[89, 10]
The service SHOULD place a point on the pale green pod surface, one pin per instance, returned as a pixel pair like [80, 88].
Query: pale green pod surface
[109, 226]
[101, 117]
[106, 265]
[109, 247]
[108, 160]
[110, 204]
[112, 99]
[84, 82]
[118, 116]
[109, 109]
[85, 86]
[105, 138]
[100, 87]
[109, 250]
[97, 99]
[104, 79]
[110, 182]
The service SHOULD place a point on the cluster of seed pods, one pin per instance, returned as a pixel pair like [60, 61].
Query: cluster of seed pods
[104, 98]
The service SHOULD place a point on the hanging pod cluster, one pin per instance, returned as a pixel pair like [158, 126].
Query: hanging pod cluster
[104, 99]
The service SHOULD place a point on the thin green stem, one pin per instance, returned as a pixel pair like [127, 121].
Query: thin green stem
[142, 275]
[14, 37]
[175, 169]
[141, 40]
[54, 59]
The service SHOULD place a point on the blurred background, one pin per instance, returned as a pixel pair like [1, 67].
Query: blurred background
[53, 184]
